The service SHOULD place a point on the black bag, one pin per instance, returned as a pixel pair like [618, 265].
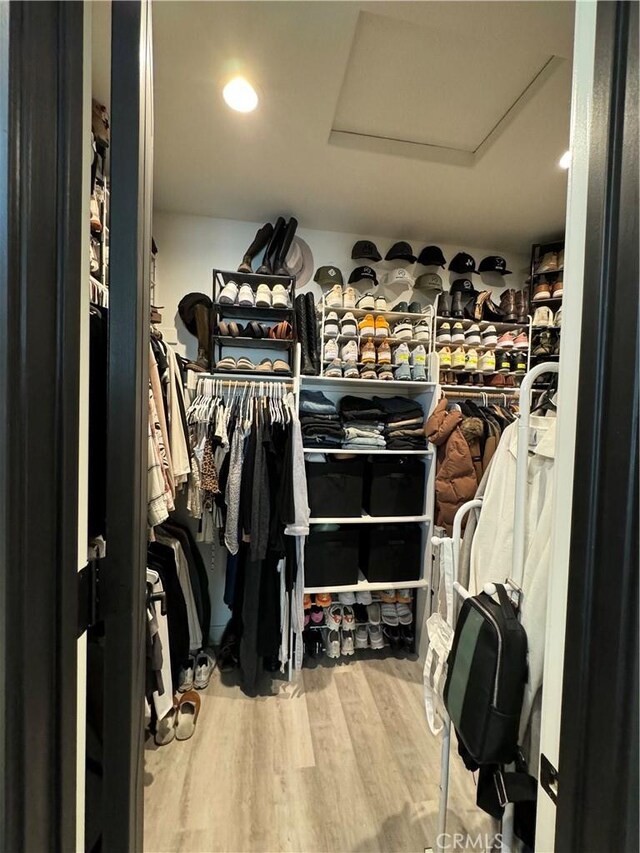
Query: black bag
[487, 671]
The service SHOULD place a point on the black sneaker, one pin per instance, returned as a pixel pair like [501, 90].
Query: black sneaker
[503, 362]
[407, 637]
[392, 636]
[519, 361]
[415, 308]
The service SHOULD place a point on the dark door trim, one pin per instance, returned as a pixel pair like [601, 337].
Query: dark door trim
[598, 782]
[42, 227]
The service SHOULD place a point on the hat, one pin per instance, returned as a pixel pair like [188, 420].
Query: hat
[463, 263]
[365, 274]
[429, 281]
[400, 276]
[400, 252]
[299, 261]
[494, 263]
[328, 276]
[187, 307]
[464, 286]
[365, 249]
[431, 256]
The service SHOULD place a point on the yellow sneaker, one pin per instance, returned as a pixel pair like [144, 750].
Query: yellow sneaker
[444, 356]
[457, 359]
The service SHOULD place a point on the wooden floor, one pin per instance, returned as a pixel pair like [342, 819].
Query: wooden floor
[339, 760]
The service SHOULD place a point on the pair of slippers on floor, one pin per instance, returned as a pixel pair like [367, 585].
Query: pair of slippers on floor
[180, 721]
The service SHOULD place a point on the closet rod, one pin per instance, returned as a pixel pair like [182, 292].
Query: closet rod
[243, 383]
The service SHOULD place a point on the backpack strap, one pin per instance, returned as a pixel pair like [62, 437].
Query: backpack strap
[506, 606]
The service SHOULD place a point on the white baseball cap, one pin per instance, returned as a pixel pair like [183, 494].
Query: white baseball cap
[400, 276]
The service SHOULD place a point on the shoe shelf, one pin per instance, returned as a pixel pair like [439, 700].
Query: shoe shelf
[539, 301]
[365, 518]
[374, 451]
[389, 315]
[253, 279]
[251, 312]
[363, 585]
[483, 324]
[483, 347]
[547, 272]
[544, 355]
[343, 339]
[369, 384]
[257, 343]
[487, 389]
[246, 374]
[546, 328]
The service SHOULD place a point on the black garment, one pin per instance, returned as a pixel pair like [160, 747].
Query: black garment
[161, 558]
[197, 573]
[361, 409]
[98, 357]
[398, 408]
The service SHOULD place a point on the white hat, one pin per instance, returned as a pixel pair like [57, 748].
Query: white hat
[300, 261]
[400, 276]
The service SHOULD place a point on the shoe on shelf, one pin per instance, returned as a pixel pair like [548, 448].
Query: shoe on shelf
[349, 325]
[366, 302]
[556, 345]
[418, 373]
[351, 370]
[457, 359]
[349, 298]
[382, 327]
[444, 357]
[472, 335]
[549, 263]
[334, 369]
[96, 224]
[347, 647]
[226, 363]
[376, 640]
[471, 361]
[557, 289]
[561, 259]
[306, 601]
[229, 294]
[498, 380]
[519, 362]
[347, 598]
[543, 316]
[186, 675]
[457, 334]
[94, 261]
[246, 296]
[331, 324]
[522, 305]
[415, 308]
[506, 339]
[349, 352]
[403, 330]
[405, 614]
[362, 637]
[367, 352]
[508, 305]
[331, 349]
[368, 371]
[403, 372]
[401, 354]
[400, 308]
[457, 306]
[407, 637]
[367, 326]
[388, 596]
[385, 372]
[323, 599]
[489, 336]
[333, 616]
[204, 668]
[443, 335]
[364, 598]
[422, 331]
[404, 596]
[543, 344]
[348, 618]
[373, 612]
[487, 363]
[332, 644]
[280, 296]
[333, 299]
[381, 303]
[557, 320]
[503, 362]
[541, 291]
[419, 355]
[389, 613]
[263, 296]
[444, 305]
[384, 353]
[521, 340]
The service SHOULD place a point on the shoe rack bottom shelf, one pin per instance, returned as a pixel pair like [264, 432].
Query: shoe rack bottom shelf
[364, 585]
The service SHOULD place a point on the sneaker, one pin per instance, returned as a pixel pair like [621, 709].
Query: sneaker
[557, 289]
[443, 335]
[543, 345]
[471, 361]
[521, 340]
[334, 369]
[401, 354]
[263, 296]
[403, 372]
[561, 259]
[368, 352]
[400, 308]
[350, 351]
[280, 296]
[541, 291]
[543, 316]
[503, 362]
[407, 637]
[332, 644]
[457, 334]
[348, 618]
[373, 612]
[333, 298]
[519, 362]
[331, 349]
[384, 353]
[246, 296]
[489, 336]
[418, 373]
[487, 363]
[229, 294]
[94, 261]
[403, 330]
[382, 327]
[347, 598]
[362, 637]
[331, 325]
[185, 676]
[366, 302]
[381, 303]
[557, 320]
[367, 326]
[419, 355]
[376, 640]
[204, 668]
[333, 616]
[368, 371]
[349, 298]
[472, 335]
[385, 372]
[505, 341]
[351, 370]
[422, 331]
[365, 598]
[457, 359]
[349, 325]
[347, 643]
[549, 263]
[96, 224]
[444, 356]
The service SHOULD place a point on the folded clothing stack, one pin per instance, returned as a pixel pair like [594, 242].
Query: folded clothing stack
[319, 421]
[404, 423]
[363, 423]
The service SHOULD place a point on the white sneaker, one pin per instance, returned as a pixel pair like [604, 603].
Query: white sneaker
[204, 668]
[366, 302]
[331, 349]
[443, 335]
[349, 298]
[419, 355]
[280, 298]
[557, 320]
[246, 296]
[543, 316]
[349, 325]
[457, 333]
[347, 598]
[401, 354]
[349, 351]
[185, 676]
[362, 637]
[263, 296]
[487, 363]
[376, 640]
[472, 335]
[489, 337]
[229, 294]
[364, 597]
[331, 325]
[381, 303]
[332, 644]
[403, 330]
[348, 618]
[333, 299]
[549, 263]
[422, 331]
[347, 642]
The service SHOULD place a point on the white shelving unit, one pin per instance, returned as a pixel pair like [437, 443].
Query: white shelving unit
[375, 451]
[369, 385]
[365, 518]
[363, 585]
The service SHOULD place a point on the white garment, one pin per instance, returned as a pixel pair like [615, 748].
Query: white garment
[440, 636]
[492, 548]
[179, 442]
[164, 703]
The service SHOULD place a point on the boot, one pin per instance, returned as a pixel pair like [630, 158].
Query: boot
[279, 262]
[306, 365]
[266, 267]
[508, 305]
[444, 305]
[522, 306]
[202, 316]
[457, 306]
[312, 332]
[263, 235]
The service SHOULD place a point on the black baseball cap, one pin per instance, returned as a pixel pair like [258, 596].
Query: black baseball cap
[400, 252]
[463, 263]
[365, 249]
[464, 286]
[431, 256]
[363, 274]
[494, 263]
[328, 276]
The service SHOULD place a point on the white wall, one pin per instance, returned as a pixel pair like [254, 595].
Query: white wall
[189, 247]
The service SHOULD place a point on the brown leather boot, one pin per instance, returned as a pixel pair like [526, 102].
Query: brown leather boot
[522, 305]
[202, 317]
[508, 305]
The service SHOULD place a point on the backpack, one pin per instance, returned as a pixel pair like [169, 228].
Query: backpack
[486, 675]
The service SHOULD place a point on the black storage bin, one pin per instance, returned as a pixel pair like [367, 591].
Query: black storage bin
[331, 555]
[391, 552]
[395, 486]
[335, 488]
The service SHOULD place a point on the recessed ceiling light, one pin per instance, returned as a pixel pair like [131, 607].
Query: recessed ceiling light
[240, 95]
[565, 160]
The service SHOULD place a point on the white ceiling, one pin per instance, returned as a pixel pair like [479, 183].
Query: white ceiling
[431, 121]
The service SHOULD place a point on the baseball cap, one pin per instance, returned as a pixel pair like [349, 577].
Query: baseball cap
[365, 274]
[431, 256]
[429, 281]
[494, 263]
[400, 252]
[365, 249]
[464, 286]
[463, 263]
[400, 276]
[328, 276]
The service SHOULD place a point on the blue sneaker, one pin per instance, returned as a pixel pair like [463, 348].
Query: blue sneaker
[403, 372]
[418, 373]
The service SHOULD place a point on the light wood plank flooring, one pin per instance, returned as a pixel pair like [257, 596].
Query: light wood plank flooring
[339, 760]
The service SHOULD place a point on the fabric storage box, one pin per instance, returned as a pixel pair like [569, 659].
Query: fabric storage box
[331, 555]
[391, 552]
[395, 486]
[335, 488]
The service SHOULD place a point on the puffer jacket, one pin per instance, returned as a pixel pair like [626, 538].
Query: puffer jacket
[456, 478]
